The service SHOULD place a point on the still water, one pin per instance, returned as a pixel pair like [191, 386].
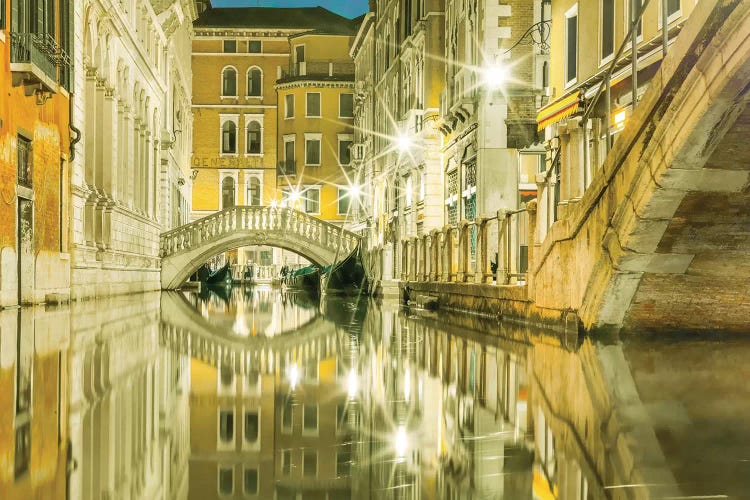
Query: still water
[261, 394]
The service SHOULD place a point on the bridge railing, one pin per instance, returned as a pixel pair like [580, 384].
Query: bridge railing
[256, 218]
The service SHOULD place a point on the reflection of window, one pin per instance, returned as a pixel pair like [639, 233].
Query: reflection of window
[230, 46]
[286, 462]
[311, 198]
[227, 192]
[227, 375]
[22, 446]
[310, 418]
[229, 82]
[312, 151]
[286, 416]
[289, 106]
[226, 426]
[343, 202]
[343, 463]
[253, 138]
[254, 82]
[229, 137]
[251, 427]
[310, 463]
[313, 104]
[254, 46]
[346, 105]
[226, 481]
[251, 481]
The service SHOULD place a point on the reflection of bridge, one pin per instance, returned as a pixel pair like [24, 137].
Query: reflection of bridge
[185, 248]
[184, 330]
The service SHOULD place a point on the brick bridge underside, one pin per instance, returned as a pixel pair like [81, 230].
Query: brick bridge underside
[661, 239]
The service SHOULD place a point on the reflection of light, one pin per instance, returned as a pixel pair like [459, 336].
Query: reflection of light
[352, 383]
[407, 384]
[494, 76]
[292, 375]
[401, 442]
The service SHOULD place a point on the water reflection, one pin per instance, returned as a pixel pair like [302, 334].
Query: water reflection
[156, 396]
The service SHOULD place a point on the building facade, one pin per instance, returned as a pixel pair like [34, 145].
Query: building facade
[581, 67]
[130, 178]
[267, 122]
[36, 42]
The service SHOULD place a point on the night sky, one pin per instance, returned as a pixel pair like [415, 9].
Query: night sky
[347, 8]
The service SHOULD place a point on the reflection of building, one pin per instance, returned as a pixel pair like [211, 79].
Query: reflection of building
[266, 418]
[270, 101]
[35, 148]
[128, 397]
[33, 403]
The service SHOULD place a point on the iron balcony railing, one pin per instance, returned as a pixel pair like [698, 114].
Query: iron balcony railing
[318, 69]
[41, 51]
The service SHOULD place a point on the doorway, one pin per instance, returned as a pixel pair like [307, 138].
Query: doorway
[25, 238]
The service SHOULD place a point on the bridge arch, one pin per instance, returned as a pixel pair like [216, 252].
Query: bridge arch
[185, 248]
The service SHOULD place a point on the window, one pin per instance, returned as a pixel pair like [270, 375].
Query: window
[312, 151]
[673, 9]
[409, 188]
[571, 45]
[226, 481]
[343, 202]
[310, 418]
[254, 82]
[299, 54]
[313, 104]
[227, 192]
[226, 424]
[286, 416]
[346, 105]
[229, 137]
[251, 427]
[345, 155]
[343, 463]
[229, 82]
[310, 463]
[230, 46]
[25, 155]
[288, 166]
[254, 138]
[289, 106]
[251, 481]
[286, 462]
[608, 29]
[254, 46]
[253, 198]
[311, 199]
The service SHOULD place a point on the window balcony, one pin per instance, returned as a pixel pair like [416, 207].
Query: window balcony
[34, 59]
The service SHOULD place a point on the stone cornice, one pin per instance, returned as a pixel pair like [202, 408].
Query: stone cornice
[326, 84]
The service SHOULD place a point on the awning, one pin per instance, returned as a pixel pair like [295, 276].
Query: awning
[556, 111]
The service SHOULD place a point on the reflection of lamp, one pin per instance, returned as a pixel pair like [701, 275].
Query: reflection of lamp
[292, 375]
[400, 442]
[352, 383]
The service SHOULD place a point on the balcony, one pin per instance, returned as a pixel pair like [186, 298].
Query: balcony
[287, 167]
[34, 59]
[317, 70]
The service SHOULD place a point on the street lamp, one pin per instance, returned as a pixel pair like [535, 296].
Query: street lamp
[354, 191]
[494, 76]
[403, 143]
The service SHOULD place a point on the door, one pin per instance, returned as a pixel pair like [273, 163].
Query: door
[25, 238]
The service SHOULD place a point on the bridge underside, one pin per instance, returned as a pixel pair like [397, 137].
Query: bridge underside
[706, 284]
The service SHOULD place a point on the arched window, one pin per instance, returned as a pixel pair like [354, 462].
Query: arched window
[227, 192]
[229, 137]
[229, 82]
[253, 191]
[253, 138]
[254, 82]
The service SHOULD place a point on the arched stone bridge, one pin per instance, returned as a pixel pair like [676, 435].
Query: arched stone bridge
[661, 238]
[185, 248]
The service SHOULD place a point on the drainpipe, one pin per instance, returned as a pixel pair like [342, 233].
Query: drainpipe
[75, 129]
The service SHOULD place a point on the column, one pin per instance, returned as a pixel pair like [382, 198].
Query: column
[134, 161]
[575, 159]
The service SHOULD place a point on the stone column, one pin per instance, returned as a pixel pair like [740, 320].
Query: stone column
[135, 157]
[531, 209]
[542, 194]
[575, 160]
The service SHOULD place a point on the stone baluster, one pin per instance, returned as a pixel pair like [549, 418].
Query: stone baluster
[462, 251]
[482, 271]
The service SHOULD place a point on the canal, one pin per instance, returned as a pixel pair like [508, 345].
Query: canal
[259, 393]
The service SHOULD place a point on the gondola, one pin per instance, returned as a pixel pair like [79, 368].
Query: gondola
[306, 278]
[221, 275]
[348, 276]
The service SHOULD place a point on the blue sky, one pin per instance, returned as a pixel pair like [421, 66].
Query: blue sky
[348, 8]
